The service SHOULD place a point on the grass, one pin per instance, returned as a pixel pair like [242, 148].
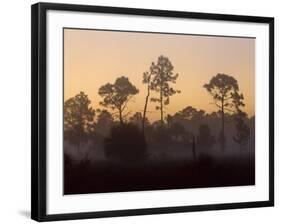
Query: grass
[112, 176]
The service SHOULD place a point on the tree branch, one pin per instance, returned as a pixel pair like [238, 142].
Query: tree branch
[126, 102]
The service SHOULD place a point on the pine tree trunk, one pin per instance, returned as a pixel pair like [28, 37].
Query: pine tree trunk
[222, 126]
[145, 108]
[120, 116]
[161, 105]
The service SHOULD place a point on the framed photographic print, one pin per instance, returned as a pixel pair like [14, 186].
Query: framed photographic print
[139, 111]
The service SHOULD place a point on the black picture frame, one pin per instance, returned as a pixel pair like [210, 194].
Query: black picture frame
[38, 108]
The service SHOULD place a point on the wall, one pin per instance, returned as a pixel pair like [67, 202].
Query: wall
[15, 110]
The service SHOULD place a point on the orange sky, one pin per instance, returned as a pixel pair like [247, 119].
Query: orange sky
[93, 58]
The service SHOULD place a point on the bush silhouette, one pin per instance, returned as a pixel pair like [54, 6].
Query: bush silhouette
[126, 143]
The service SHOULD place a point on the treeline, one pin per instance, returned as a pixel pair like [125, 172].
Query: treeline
[119, 129]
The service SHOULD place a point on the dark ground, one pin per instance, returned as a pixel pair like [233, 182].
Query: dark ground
[101, 177]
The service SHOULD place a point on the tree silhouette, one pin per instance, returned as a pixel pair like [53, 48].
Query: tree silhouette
[104, 123]
[190, 112]
[78, 118]
[138, 120]
[126, 144]
[242, 130]
[116, 96]
[169, 119]
[146, 80]
[162, 75]
[225, 92]
[177, 131]
[190, 117]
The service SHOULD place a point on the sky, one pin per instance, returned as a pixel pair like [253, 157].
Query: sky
[93, 58]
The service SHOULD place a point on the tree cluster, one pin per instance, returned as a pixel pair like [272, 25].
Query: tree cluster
[188, 126]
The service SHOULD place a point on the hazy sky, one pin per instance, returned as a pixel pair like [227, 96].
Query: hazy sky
[93, 58]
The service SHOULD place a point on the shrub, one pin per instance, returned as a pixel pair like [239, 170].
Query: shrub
[126, 143]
